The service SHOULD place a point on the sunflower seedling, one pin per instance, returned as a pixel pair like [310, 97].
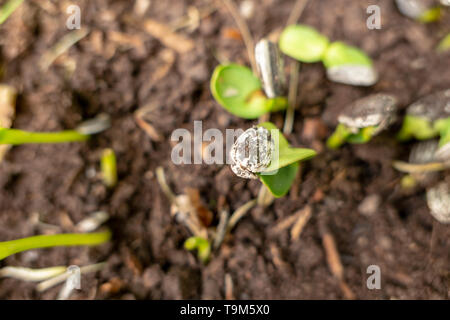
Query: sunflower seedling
[262, 152]
[421, 10]
[202, 246]
[240, 91]
[344, 64]
[427, 118]
[8, 248]
[363, 119]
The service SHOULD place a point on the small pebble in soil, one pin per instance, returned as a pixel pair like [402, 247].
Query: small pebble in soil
[370, 204]
[438, 200]
[374, 110]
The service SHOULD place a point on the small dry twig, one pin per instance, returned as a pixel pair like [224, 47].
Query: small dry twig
[63, 277]
[418, 168]
[239, 213]
[333, 258]
[302, 220]
[221, 228]
[228, 287]
[245, 31]
[166, 36]
[292, 97]
[61, 46]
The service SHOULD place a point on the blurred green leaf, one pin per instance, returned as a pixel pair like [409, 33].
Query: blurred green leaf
[8, 8]
[303, 43]
[238, 90]
[339, 54]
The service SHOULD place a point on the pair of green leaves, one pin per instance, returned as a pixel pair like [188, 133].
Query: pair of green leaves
[342, 134]
[239, 91]
[424, 129]
[307, 45]
[286, 166]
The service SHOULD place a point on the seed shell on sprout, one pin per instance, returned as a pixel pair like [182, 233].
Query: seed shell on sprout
[252, 152]
[374, 110]
[443, 153]
[432, 107]
[355, 75]
[270, 67]
[438, 200]
[423, 152]
[414, 9]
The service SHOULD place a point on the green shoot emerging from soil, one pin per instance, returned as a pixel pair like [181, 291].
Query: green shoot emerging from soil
[18, 137]
[363, 119]
[239, 91]
[344, 63]
[428, 118]
[202, 246]
[108, 165]
[8, 248]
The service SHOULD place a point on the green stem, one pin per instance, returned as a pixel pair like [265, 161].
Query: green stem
[8, 8]
[17, 137]
[416, 127]
[339, 137]
[277, 104]
[8, 248]
[364, 135]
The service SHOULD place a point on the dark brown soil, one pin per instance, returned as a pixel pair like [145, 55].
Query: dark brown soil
[146, 259]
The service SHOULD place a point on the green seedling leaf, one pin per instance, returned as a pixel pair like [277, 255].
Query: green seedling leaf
[443, 127]
[349, 65]
[8, 8]
[303, 43]
[202, 246]
[416, 127]
[18, 137]
[343, 134]
[238, 90]
[8, 248]
[339, 136]
[444, 45]
[286, 166]
[431, 15]
[280, 183]
[340, 54]
[108, 165]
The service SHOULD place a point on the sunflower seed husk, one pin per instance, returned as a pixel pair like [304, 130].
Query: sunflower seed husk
[270, 67]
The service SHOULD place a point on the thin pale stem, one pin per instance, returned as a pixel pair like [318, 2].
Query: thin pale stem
[245, 31]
